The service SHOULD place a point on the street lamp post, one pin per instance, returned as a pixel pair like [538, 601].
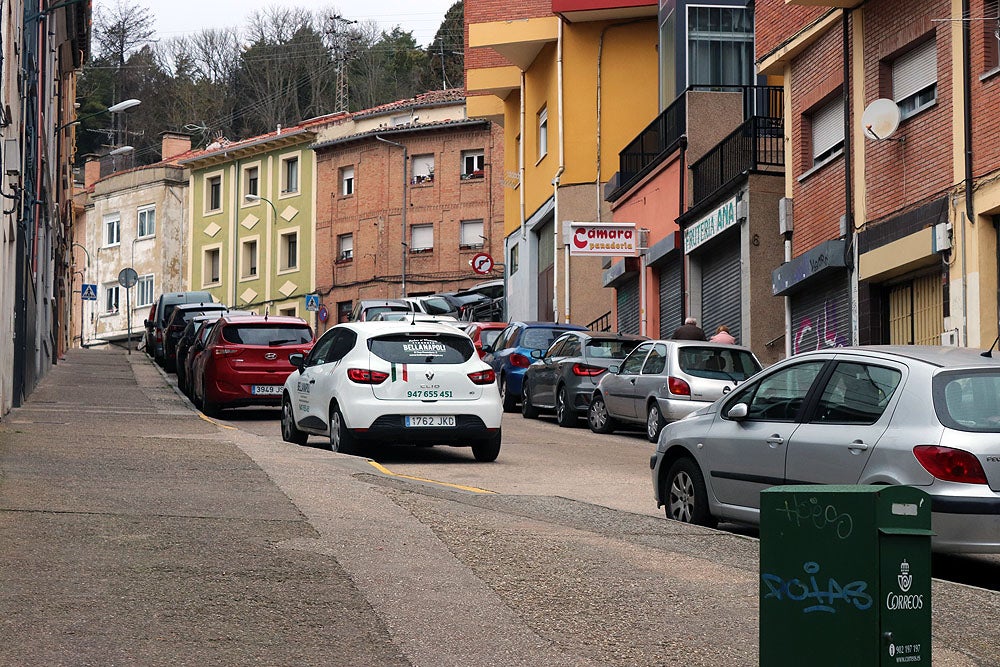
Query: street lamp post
[114, 108]
[403, 213]
[258, 198]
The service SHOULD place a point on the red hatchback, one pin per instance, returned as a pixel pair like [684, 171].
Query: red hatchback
[245, 361]
[484, 333]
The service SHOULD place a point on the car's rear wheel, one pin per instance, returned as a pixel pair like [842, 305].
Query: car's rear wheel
[598, 418]
[506, 398]
[654, 422]
[528, 411]
[169, 364]
[289, 431]
[488, 449]
[687, 498]
[341, 438]
[565, 414]
[210, 408]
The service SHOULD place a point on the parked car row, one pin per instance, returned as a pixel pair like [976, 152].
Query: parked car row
[481, 303]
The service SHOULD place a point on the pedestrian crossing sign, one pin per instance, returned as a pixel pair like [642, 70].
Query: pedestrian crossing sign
[88, 292]
[312, 302]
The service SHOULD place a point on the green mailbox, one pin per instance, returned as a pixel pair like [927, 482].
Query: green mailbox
[845, 576]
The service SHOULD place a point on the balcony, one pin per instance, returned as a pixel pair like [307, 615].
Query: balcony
[756, 145]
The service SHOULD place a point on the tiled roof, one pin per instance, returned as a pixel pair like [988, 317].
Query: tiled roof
[397, 129]
[432, 98]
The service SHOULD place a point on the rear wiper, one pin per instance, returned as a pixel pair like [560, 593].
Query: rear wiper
[281, 341]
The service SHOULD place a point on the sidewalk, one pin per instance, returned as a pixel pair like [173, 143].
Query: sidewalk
[133, 532]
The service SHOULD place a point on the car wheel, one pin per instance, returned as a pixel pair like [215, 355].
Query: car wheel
[509, 402]
[341, 438]
[289, 431]
[488, 449]
[565, 414]
[210, 408]
[687, 499]
[528, 411]
[169, 365]
[598, 418]
[654, 422]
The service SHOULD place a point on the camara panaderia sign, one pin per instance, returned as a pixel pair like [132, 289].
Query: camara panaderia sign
[620, 239]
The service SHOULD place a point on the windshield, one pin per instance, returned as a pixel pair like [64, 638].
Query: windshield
[968, 400]
[422, 348]
[267, 334]
[540, 339]
[610, 348]
[717, 363]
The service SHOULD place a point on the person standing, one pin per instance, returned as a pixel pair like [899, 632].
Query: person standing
[722, 335]
[689, 331]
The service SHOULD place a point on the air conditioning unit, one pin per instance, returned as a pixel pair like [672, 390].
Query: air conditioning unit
[785, 225]
[11, 157]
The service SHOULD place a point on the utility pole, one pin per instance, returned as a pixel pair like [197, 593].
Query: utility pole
[340, 42]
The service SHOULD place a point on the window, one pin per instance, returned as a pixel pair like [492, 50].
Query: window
[251, 178]
[720, 46]
[211, 267]
[471, 234]
[423, 169]
[288, 243]
[248, 258]
[347, 181]
[345, 247]
[515, 257]
[112, 230]
[214, 187]
[111, 299]
[344, 309]
[914, 79]
[856, 394]
[656, 361]
[421, 238]
[827, 124]
[402, 120]
[779, 396]
[543, 133]
[144, 291]
[633, 362]
[290, 175]
[147, 222]
[290, 311]
[991, 36]
[472, 164]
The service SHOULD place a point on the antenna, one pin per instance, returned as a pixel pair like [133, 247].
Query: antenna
[880, 119]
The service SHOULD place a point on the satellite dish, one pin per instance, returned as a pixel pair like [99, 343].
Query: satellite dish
[880, 119]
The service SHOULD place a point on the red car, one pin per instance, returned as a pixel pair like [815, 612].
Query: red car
[484, 333]
[245, 361]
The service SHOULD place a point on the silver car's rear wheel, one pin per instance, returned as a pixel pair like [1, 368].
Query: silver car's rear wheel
[687, 499]
[598, 418]
[654, 422]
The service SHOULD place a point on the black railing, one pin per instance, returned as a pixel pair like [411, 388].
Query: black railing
[757, 144]
[766, 101]
[657, 138]
[602, 323]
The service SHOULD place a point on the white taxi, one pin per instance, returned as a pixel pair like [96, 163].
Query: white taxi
[367, 383]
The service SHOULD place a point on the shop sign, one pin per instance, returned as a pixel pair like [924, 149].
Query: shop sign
[618, 239]
[710, 226]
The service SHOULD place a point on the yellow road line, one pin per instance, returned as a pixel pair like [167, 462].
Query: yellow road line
[385, 471]
[212, 421]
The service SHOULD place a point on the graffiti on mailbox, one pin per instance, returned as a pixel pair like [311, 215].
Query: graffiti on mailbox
[816, 596]
[803, 511]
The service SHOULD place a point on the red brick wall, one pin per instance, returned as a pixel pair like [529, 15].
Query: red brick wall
[372, 214]
[899, 175]
[775, 22]
[816, 77]
[985, 91]
[489, 11]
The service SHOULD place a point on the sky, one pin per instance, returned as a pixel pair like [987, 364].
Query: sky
[175, 18]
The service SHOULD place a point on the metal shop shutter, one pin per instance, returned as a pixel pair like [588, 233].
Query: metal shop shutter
[821, 316]
[916, 311]
[671, 297]
[720, 288]
[628, 307]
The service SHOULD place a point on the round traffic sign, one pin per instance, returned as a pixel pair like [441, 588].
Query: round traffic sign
[323, 313]
[127, 278]
[482, 263]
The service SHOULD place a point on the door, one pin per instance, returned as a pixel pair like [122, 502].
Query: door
[651, 378]
[721, 295]
[543, 374]
[671, 297]
[316, 383]
[744, 456]
[853, 412]
[619, 388]
[916, 311]
[546, 273]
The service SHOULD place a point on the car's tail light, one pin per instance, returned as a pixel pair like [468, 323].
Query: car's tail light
[483, 377]
[519, 361]
[366, 376]
[585, 370]
[225, 351]
[949, 464]
[678, 387]
[159, 335]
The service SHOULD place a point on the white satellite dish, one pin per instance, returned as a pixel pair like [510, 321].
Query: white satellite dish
[880, 119]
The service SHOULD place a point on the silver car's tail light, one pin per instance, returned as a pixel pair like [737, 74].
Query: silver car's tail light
[950, 464]
[483, 377]
[678, 387]
[366, 376]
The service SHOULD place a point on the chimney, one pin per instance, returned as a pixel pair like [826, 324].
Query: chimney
[91, 169]
[174, 144]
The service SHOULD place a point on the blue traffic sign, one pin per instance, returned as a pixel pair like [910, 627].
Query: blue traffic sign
[88, 292]
[312, 302]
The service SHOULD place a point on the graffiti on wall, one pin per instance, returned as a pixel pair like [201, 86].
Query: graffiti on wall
[815, 332]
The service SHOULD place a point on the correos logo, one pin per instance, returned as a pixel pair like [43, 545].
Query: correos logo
[897, 601]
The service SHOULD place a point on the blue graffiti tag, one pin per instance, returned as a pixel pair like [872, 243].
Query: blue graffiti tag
[810, 511]
[854, 594]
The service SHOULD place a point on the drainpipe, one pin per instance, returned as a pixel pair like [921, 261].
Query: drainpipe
[402, 214]
[520, 163]
[967, 111]
[555, 188]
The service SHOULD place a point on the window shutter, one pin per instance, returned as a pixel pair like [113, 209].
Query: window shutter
[472, 232]
[914, 71]
[828, 126]
[423, 165]
[421, 237]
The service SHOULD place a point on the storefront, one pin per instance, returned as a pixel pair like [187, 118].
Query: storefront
[713, 246]
[817, 285]
[667, 261]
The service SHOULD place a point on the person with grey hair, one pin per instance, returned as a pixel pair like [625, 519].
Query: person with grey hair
[689, 331]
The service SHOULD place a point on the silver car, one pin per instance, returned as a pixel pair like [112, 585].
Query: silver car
[662, 381]
[928, 417]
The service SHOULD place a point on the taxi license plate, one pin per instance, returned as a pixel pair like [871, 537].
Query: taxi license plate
[266, 390]
[429, 420]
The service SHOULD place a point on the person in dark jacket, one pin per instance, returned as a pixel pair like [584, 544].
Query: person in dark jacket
[689, 331]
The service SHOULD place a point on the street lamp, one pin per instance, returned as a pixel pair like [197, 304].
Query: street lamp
[114, 108]
[250, 199]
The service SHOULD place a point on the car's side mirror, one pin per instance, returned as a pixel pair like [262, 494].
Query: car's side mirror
[537, 354]
[738, 412]
[298, 360]
[613, 368]
[147, 323]
[487, 349]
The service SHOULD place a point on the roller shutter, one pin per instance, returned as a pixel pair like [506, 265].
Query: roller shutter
[671, 297]
[916, 311]
[720, 287]
[821, 315]
[628, 307]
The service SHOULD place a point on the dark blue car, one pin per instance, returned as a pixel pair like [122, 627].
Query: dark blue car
[510, 354]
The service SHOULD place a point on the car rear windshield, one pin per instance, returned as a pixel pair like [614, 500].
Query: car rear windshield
[267, 334]
[717, 363]
[540, 339]
[372, 311]
[968, 400]
[610, 348]
[437, 306]
[422, 348]
[487, 336]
